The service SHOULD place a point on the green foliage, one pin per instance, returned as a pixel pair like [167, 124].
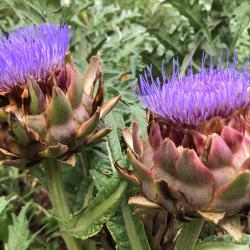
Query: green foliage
[223, 243]
[127, 230]
[128, 35]
[90, 221]
[4, 202]
[19, 237]
[220, 246]
[240, 26]
[189, 234]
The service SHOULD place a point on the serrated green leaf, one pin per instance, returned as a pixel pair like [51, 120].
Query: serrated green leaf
[225, 242]
[90, 221]
[97, 160]
[115, 120]
[4, 201]
[116, 227]
[100, 179]
[166, 41]
[189, 234]
[127, 230]
[194, 15]
[20, 236]
[228, 238]
[220, 246]
[139, 114]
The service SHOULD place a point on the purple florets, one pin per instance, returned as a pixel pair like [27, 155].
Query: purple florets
[195, 98]
[31, 51]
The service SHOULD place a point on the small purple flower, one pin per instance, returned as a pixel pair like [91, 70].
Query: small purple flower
[194, 98]
[31, 51]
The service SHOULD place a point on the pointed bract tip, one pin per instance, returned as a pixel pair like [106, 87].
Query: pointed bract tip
[90, 75]
[90, 125]
[127, 174]
[109, 105]
[37, 98]
[59, 110]
[143, 202]
[143, 171]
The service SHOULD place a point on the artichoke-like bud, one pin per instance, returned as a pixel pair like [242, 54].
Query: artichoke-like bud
[196, 158]
[48, 109]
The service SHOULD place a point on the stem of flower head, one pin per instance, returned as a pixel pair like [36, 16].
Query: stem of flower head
[189, 235]
[57, 195]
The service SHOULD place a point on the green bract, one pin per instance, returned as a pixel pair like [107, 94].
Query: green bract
[52, 117]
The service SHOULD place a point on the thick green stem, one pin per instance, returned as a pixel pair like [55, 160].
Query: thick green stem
[189, 235]
[58, 199]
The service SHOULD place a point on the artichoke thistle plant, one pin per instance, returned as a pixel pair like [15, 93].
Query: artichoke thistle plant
[48, 110]
[196, 159]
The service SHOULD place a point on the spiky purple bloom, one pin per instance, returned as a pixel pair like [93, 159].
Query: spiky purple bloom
[195, 98]
[31, 51]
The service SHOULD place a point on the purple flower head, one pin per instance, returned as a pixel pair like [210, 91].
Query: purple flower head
[187, 101]
[31, 51]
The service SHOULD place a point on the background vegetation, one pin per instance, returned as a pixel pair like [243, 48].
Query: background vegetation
[128, 35]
